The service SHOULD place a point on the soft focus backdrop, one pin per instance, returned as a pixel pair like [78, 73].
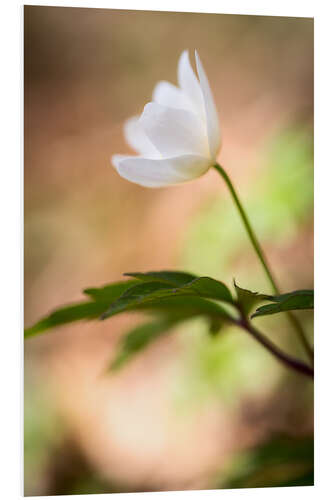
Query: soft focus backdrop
[192, 411]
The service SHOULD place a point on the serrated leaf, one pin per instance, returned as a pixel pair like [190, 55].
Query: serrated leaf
[305, 296]
[153, 296]
[173, 305]
[82, 310]
[139, 338]
[66, 314]
[172, 311]
[108, 293]
[141, 290]
[182, 282]
[185, 306]
[299, 299]
[174, 278]
[247, 299]
[152, 292]
[210, 289]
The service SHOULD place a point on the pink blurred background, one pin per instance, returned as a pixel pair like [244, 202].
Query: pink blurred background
[175, 415]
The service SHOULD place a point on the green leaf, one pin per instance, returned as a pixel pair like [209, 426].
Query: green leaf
[174, 278]
[174, 304]
[247, 299]
[139, 338]
[281, 461]
[210, 289]
[184, 306]
[182, 283]
[152, 292]
[142, 290]
[66, 314]
[111, 292]
[299, 299]
[303, 296]
[82, 310]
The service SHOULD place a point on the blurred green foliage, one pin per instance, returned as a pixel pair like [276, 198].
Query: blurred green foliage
[279, 202]
[225, 368]
[43, 431]
[281, 461]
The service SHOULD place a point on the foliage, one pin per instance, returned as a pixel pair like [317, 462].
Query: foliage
[300, 299]
[280, 461]
[171, 297]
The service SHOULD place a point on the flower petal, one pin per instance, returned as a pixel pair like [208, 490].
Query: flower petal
[174, 131]
[213, 126]
[169, 95]
[116, 159]
[137, 139]
[189, 83]
[160, 172]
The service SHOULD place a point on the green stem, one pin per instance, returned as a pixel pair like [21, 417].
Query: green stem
[262, 258]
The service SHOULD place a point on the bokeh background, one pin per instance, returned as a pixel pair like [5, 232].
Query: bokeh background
[192, 411]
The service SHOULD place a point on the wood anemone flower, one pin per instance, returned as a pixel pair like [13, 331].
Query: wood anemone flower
[177, 137]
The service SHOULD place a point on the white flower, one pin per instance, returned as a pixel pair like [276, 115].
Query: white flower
[178, 134]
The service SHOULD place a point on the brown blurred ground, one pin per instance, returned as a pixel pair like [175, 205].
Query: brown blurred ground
[86, 70]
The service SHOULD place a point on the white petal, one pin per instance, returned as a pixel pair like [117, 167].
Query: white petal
[174, 131]
[167, 94]
[213, 126]
[158, 173]
[137, 139]
[189, 83]
[116, 159]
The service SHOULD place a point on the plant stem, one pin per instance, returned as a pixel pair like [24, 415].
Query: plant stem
[289, 361]
[262, 258]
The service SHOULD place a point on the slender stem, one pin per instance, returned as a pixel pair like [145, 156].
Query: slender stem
[248, 228]
[289, 361]
[262, 258]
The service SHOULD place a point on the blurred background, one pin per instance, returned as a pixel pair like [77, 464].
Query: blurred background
[192, 411]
